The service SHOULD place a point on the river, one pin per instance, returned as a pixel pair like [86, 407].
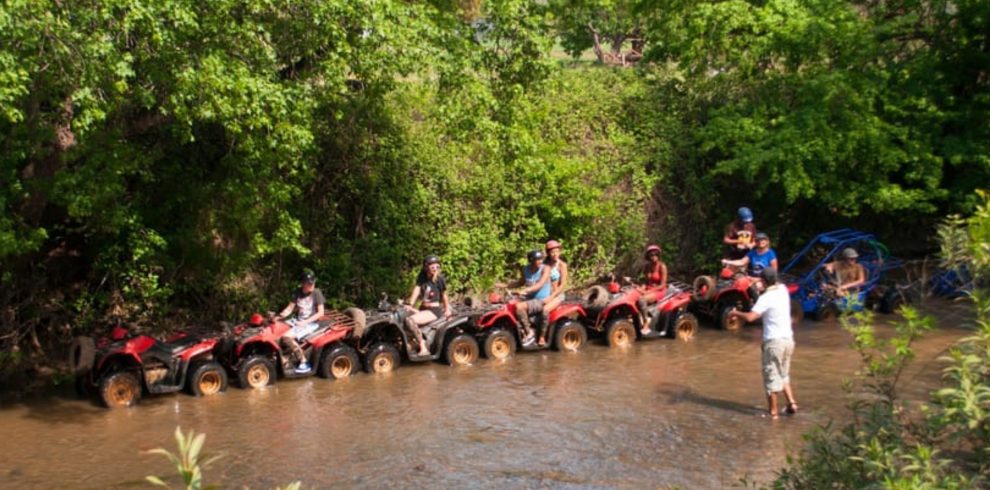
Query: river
[662, 413]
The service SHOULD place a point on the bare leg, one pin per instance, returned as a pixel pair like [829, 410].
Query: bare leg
[550, 305]
[414, 328]
[643, 305]
[772, 403]
[792, 406]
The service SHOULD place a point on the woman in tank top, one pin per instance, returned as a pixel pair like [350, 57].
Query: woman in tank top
[654, 283]
[431, 287]
[558, 282]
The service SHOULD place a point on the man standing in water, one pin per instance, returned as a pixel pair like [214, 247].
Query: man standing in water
[774, 309]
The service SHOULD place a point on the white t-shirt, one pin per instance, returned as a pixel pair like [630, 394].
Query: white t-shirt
[774, 307]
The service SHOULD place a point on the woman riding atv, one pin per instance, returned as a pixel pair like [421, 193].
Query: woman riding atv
[558, 281]
[432, 287]
[654, 281]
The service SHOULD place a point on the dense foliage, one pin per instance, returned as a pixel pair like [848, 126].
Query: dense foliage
[176, 161]
[888, 442]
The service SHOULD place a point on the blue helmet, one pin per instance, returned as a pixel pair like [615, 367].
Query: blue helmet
[745, 215]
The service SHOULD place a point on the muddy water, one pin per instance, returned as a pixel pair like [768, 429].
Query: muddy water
[661, 413]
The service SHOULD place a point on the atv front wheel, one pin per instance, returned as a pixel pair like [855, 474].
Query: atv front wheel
[341, 362]
[256, 372]
[120, 389]
[208, 378]
[382, 358]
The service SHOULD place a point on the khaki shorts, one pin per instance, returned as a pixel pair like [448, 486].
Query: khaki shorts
[777, 355]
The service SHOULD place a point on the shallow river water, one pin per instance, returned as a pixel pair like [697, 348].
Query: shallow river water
[662, 413]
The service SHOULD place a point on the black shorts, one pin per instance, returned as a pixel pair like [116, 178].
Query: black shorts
[437, 310]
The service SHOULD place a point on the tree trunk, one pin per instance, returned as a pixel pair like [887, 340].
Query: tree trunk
[597, 43]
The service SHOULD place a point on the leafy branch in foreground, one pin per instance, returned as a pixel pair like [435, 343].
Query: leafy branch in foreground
[187, 463]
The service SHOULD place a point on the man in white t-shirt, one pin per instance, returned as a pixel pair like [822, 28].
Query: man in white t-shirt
[774, 309]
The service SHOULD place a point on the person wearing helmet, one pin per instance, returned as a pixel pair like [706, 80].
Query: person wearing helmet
[535, 287]
[848, 273]
[738, 237]
[654, 281]
[757, 259]
[307, 303]
[558, 282]
[431, 290]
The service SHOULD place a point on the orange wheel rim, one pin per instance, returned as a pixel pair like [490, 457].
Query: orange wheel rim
[209, 383]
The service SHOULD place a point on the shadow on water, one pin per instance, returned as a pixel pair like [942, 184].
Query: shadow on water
[675, 396]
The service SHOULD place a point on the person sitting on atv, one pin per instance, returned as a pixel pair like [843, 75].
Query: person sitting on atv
[849, 275]
[431, 285]
[558, 281]
[535, 284]
[756, 259]
[654, 278]
[738, 238]
[308, 303]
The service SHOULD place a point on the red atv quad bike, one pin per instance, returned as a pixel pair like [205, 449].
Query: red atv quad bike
[614, 313]
[499, 331]
[120, 368]
[715, 298]
[256, 354]
[387, 340]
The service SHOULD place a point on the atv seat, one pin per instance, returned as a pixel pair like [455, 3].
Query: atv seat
[164, 352]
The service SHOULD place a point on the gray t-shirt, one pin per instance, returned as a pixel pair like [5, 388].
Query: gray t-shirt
[774, 307]
[306, 304]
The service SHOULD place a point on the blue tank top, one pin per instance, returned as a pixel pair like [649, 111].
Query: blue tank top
[533, 278]
[554, 274]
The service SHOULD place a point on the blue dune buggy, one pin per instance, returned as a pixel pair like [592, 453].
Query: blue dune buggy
[813, 292]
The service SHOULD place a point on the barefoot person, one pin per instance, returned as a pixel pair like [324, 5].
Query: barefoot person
[774, 309]
[654, 281]
[431, 286]
[558, 282]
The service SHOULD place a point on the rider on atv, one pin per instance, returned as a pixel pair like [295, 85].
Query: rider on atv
[558, 283]
[654, 281]
[431, 285]
[536, 287]
[307, 302]
[756, 259]
[738, 237]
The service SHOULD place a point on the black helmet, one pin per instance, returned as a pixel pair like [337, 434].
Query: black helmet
[431, 259]
[307, 277]
[535, 255]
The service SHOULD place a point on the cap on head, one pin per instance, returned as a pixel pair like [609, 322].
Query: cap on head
[762, 236]
[769, 276]
[430, 260]
[535, 255]
[257, 319]
[307, 277]
[552, 244]
[745, 215]
[652, 249]
[849, 253]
